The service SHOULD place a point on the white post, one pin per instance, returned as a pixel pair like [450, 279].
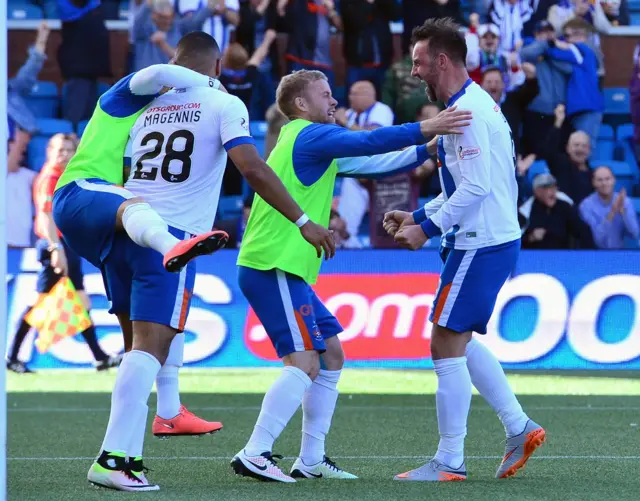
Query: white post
[3, 247]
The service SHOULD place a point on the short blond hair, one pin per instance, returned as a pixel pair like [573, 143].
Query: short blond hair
[293, 86]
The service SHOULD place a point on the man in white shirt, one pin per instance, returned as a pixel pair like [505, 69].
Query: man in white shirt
[224, 20]
[18, 191]
[365, 113]
[476, 216]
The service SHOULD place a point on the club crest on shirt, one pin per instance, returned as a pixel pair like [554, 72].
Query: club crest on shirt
[468, 152]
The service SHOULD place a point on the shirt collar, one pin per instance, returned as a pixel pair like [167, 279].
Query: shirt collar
[459, 94]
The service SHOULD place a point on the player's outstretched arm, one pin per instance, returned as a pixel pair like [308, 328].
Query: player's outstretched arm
[153, 79]
[266, 184]
[385, 164]
[324, 142]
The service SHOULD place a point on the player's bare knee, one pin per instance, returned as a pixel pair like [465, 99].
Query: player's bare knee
[333, 358]
[307, 361]
[446, 343]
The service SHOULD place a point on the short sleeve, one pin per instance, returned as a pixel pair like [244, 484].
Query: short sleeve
[234, 124]
[381, 115]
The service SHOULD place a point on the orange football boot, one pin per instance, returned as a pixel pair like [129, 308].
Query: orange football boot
[184, 424]
[186, 250]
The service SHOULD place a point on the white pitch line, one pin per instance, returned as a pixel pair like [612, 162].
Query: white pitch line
[379, 458]
[340, 408]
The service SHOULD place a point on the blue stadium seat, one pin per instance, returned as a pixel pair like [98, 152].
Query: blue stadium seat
[23, 10]
[603, 150]
[230, 207]
[260, 144]
[258, 129]
[43, 100]
[36, 152]
[102, 88]
[606, 132]
[619, 169]
[82, 126]
[635, 18]
[636, 204]
[628, 156]
[49, 126]
[616, 101]
[631, 243]
[625, 131]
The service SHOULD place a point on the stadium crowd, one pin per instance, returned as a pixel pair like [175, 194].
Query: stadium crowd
[540, 60]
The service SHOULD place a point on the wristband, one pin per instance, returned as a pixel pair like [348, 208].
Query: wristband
[302, 220]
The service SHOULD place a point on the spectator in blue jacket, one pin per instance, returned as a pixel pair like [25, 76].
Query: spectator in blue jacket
[553, 76]
[20, 85]
[585, 102]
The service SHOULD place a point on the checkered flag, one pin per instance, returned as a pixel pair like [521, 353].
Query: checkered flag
[58, 315]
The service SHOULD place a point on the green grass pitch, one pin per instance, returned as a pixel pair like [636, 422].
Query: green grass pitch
[385, 424]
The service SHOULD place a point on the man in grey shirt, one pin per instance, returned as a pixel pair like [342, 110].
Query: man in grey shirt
[610, 215]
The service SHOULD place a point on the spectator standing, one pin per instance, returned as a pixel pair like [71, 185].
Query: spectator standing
[553, 76]
[257, 17]
[634, 90]
[414, 13]
[222, 21]
[553, 223]
[540, 13]
[309, 24]
[240, 76]
[585, 102]
[609, 214]
[515, 102]
[83, 56]
[365, 113]
[18, 192]
[483, 54]
[572, 168]
[157, 31]
[510, 17]
[367, 44]
[20, 86]
[402, 92]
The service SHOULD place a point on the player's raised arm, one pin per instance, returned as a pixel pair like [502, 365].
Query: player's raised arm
[242, 151]
[153, 79]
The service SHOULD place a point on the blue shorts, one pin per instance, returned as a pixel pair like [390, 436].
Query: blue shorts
[469, 285]
[47, 277]
[85, 213]
[137, 283]
[291, 313]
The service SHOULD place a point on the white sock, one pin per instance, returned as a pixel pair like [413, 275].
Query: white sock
[146, 228]
[132, 388]
[168, 405]
[278, 407]
[318, 406]
[167, 387]
[489, 379]
[137, 441]
[453, 400]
